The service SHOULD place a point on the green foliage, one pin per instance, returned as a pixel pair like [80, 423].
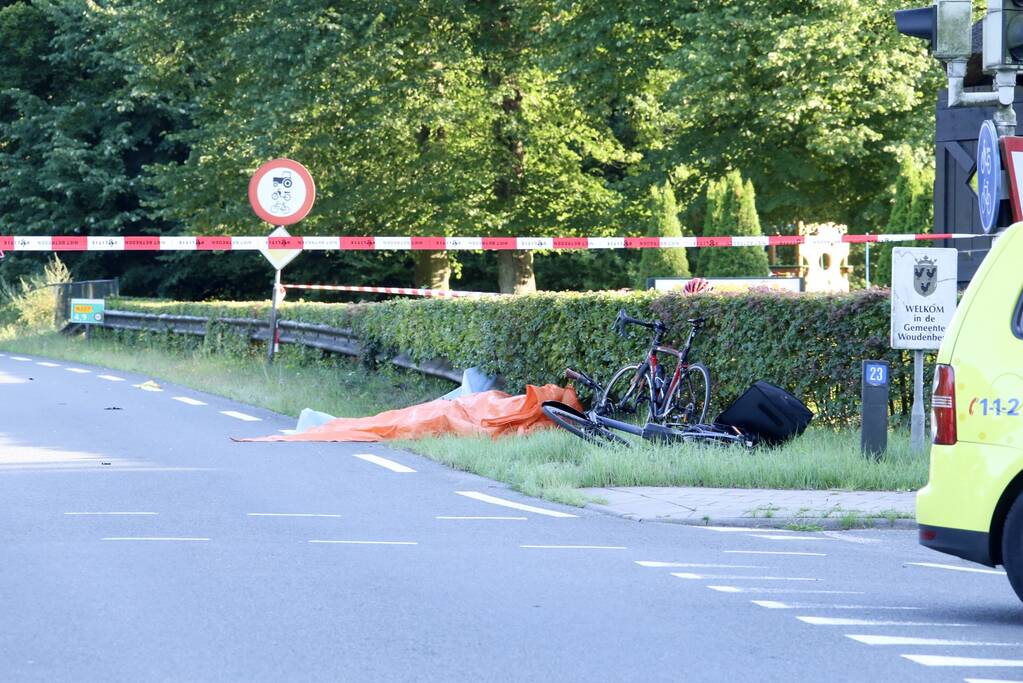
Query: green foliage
[30, 305]
[731, 210]
[663, 223]
[808, 344]
[912, 212]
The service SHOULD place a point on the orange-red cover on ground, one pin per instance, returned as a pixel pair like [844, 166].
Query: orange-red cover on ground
[488, 412]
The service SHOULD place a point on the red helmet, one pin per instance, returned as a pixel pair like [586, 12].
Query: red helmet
[697, 285]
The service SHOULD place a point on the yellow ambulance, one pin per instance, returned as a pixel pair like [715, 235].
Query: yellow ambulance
[973, 504]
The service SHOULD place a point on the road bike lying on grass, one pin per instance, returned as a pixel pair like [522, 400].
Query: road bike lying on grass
[659, 408]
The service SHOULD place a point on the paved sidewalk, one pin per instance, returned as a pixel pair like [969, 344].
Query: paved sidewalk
[759, 507]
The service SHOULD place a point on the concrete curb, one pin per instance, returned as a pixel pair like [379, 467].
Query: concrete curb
[863, 520]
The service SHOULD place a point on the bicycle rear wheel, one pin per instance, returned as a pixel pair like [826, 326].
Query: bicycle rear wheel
[623, 400]
[689, 404]
[580, 425]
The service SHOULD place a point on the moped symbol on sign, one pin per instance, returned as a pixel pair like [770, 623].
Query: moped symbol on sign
[282, 192]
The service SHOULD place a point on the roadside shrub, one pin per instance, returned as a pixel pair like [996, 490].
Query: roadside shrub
[30, 305]
[809, 344]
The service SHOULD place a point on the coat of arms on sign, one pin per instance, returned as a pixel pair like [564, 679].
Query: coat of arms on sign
[925, 276]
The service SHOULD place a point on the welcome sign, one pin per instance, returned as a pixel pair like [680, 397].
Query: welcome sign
[923, 296]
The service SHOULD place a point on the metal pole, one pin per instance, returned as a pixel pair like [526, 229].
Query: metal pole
[272, 339]
[916, 434]
[867, 244]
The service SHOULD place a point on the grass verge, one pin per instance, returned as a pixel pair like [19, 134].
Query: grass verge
[550, 464]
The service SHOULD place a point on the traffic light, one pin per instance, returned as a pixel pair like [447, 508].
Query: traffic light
[945, 25]
[1003, 34]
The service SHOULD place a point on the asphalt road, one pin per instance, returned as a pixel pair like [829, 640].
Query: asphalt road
[139, 543]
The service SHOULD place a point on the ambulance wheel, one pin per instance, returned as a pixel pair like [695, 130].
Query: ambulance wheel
[1012, 546]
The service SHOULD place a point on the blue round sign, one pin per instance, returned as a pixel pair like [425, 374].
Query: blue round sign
[989, 175]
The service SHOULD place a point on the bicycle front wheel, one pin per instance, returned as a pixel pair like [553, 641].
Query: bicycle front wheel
[582, 426]
[692, 396]
[623, 400]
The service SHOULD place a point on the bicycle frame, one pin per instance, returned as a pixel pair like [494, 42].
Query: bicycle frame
[661, 399]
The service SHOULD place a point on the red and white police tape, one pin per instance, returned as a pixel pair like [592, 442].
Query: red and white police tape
[316, 243]
[407, 291]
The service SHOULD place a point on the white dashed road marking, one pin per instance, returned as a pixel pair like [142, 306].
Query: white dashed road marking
[240, 416]
[772, 604]
[188, 401]
[48, 365]
[111, 378]
[941, 660]
[738, 529]
[699, 577]
[476, 495]
[21, 358]
[154, 538]
[368, 542]
[990, 680]
[778, 537]
[773, 552]
[481, 517]
[80, 371]
[577, 547]
[383, 462]
[954, 568]
[689, 565]
[774, 591]
[288, 514]
[906, 640]
[831, 621]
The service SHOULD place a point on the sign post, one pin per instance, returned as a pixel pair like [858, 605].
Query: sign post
[923, 301]
[874, 408]
[281, 192]
[87, 312]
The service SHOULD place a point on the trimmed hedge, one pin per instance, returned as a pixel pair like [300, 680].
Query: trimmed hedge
[810, 344]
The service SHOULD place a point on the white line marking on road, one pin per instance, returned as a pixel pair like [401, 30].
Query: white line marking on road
[689, 565]
[476, 495]
[154, 538]
[942, 660]
[577, 547]
[773, 552]
[240, 416]
[737, 589]
[772, 604]
[739, 529]
[700, 577]
[111, 378]
[188, 401]
[111, 513]
[288, 514]
[48, 364]
[832, 621]
[906, 640]
[80, 371]
[954, 568]
[844, 536]
[369, 542]
[776, 537]
[990, 680]
[481, 517]
[21, 358]
[383, 462]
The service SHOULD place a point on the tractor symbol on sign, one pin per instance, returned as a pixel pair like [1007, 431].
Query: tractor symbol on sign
[281, 192]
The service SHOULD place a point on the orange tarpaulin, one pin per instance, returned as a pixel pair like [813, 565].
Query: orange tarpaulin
[487, 412]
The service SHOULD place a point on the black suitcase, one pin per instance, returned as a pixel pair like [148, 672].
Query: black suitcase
[769, 413]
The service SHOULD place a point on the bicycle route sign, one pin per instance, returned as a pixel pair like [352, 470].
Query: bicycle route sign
[282, 192]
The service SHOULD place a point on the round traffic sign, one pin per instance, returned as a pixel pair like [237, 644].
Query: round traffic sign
[281, 192]
[989, 175]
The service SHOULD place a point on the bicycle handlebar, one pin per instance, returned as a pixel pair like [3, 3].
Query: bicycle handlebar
[624, 319]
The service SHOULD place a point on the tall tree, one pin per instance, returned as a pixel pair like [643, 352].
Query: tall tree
[732, 211]
[663, 223]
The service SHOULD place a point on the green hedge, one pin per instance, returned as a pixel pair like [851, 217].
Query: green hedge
[810, 344]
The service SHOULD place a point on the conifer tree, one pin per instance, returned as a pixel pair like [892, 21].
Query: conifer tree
[731, 210]
[663, 223]
[912, 212]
